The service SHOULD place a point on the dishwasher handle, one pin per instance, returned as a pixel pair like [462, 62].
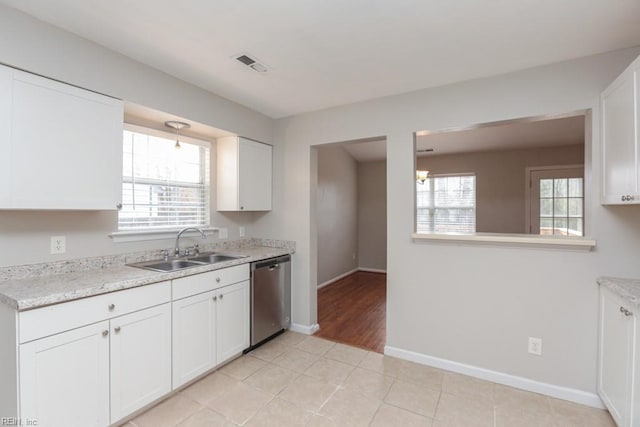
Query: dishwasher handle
[271, 263]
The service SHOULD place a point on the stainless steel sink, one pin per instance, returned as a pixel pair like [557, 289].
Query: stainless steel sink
[170, 265]
[213, 258]
[182, 263]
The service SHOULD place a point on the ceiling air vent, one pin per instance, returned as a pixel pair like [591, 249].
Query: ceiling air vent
[251, 63]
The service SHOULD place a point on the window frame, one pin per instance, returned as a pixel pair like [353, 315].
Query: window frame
[514, 240]
[430, 179]
[153, 233]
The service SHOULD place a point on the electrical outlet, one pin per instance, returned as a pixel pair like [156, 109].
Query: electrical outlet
[223, 233]
[535, 346]
[58, 244]
[241, 231]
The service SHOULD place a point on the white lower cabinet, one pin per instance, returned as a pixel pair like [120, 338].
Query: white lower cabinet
[194, 337]
[619, 359]
[232, 317]
[140, 359]
[64, 378]
[211, 327]
[94, 361]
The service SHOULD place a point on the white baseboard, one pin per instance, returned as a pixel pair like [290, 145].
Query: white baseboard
[328, 282]
[304, 329]
[565, 393]
[369, 270]
[372, 270]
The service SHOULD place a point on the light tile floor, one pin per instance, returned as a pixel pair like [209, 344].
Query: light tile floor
[298, 380]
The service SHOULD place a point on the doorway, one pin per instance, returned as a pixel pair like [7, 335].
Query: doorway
[350, 223]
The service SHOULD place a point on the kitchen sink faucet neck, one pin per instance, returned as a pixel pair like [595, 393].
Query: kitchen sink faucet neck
[176, 251]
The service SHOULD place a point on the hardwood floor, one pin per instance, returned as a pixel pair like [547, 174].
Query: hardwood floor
[353, 310]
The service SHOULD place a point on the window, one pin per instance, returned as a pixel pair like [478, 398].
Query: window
[163, 187]
[446, 203]
[561, 204]
[557, 201]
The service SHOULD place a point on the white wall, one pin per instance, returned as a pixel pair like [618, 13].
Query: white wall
[372, 215]
[500, 180]
[475, 304]
[34, 46]
[337, 209]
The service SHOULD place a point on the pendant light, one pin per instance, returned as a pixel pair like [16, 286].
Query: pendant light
[178, 126]
[421, 176]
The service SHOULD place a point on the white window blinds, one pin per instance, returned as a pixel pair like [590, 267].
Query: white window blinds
[163, 187]
[446, 203]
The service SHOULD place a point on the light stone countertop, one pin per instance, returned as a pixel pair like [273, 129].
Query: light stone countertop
[38, 291]
[627, 289]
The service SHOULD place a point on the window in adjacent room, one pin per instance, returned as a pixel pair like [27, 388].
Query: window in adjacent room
[557, 201]
[163, 187]
[446, 203]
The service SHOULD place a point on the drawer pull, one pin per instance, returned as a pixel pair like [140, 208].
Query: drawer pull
[116, 329]
[217, 280]
[105, 333]
[625, 312]
[111, 307]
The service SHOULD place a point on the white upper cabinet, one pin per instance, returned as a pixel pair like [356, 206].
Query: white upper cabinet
[620, 104]
[244, 175]
[61, 146]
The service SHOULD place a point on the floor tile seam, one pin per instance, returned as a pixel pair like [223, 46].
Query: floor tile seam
[335, 390]
[255, 413]
[384, 402]
[375, 414]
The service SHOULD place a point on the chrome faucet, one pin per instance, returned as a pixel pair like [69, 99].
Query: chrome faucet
[176, 251]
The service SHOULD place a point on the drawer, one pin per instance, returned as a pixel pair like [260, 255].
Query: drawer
[198, 283]
[45, 321]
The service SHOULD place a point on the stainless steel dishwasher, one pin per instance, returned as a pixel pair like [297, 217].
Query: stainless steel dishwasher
[270, 298]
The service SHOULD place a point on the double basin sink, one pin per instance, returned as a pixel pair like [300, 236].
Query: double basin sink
[187, 262]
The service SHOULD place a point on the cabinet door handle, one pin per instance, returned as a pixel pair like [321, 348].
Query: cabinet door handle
[119, 206]
[105, 333]
[221, 296]
[111, 307]
[625, 312]
[116, 329]
[215, 298]
[217, 280]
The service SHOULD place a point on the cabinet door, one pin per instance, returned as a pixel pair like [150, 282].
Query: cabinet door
[620, 139]
[6, 79]
[140, 359]
[615, 374]
[64, 378]
[194, 337]
[254, 177]
[66, 146]
[232, 314]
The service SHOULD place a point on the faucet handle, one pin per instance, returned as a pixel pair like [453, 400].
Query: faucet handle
[165, 254]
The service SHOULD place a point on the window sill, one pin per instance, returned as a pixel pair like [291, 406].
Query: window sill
[526, 240]
[167, 233]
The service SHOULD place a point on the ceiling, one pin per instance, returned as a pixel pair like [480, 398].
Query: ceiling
[332, 52]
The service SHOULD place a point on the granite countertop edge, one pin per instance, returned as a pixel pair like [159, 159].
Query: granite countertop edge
[30, 293]
[627, 289]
